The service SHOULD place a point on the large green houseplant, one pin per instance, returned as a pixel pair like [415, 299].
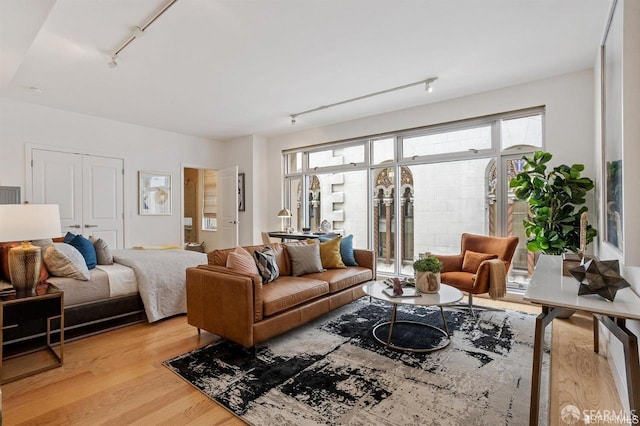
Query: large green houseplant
[556, 200]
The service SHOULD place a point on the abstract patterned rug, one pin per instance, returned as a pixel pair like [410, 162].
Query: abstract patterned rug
[332, 371]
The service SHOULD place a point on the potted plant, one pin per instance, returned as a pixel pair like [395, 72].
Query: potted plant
[557, 220]
[427, 270]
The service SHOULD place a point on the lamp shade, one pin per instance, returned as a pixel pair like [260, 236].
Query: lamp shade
[26, 222]
[284, 213]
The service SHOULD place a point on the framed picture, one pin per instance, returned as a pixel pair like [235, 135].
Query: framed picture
[241, 206]
[155, 193]
[612, 197]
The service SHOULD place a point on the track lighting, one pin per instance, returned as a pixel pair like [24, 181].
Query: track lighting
[427, 82]
[138, 32]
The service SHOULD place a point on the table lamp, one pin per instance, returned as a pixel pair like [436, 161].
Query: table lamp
[26, 222]
[284, 214]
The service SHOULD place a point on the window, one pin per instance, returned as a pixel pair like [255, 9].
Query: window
[414, 192]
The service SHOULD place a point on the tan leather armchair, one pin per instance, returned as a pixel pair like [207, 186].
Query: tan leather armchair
[471, 274]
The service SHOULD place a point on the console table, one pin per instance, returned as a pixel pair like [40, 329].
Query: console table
[554, 291]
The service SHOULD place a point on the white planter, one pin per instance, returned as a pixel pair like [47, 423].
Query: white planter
[428, 282]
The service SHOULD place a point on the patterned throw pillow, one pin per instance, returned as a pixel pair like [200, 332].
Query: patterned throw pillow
[103, 253]
[64, 260]
[241, 260]
[473, 259]
[305, 259]
[267, 266]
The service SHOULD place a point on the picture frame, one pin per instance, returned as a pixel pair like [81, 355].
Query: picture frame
[241, 199]
[154, 193]
[611, 108]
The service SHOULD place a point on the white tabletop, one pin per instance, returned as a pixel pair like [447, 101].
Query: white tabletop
[550, 288]
[446, 296]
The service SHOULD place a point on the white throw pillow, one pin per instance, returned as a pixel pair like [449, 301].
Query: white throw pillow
[64, 260]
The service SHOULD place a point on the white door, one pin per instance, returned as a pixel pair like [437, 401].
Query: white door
[102, 199]
[228, 207]
[88, 189]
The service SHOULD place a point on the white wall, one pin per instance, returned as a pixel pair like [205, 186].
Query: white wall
[568, 124]
[630, 258]
[142, 149]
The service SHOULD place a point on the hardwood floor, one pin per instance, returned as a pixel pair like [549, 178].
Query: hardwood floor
[117, 378]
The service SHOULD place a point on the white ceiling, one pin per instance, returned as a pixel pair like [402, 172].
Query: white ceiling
[222, 69]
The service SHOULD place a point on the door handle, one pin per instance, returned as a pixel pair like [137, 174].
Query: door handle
[74, 226]
[91, 226]
[234, 222]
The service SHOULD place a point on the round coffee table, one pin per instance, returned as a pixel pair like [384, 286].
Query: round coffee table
[446, 296]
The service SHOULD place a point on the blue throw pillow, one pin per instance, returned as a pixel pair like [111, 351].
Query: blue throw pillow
[67, 238]
[86, 249]
[346, 250]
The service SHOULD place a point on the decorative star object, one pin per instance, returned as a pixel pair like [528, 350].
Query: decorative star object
[600, 277]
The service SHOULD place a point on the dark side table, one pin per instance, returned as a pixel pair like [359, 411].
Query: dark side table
[19, 315]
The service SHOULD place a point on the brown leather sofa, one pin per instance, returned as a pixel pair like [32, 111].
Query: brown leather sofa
[240, 308]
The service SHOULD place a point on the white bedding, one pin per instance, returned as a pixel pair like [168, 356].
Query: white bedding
[122, 279]
[161, 277]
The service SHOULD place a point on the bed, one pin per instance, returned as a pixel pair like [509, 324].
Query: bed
[141, 286]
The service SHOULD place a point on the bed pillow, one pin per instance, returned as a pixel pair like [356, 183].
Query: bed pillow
[103, 253]
[330, 253]
[241, 260]
[86, 249]
[64, 260]
[267, 265]
[473, 259]
[305, 259]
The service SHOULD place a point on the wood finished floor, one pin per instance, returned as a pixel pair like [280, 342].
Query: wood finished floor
[117, 378]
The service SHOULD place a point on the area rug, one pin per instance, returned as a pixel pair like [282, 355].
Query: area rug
[331, 371]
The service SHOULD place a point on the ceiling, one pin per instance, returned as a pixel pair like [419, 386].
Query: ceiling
[223, 69]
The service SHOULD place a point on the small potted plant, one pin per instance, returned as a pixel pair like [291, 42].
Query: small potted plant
[427, 271]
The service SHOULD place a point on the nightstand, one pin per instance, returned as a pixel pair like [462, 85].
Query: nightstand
[21, 314]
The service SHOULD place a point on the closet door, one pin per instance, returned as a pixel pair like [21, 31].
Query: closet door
[88, 189]
[102, 199]
[57, 179]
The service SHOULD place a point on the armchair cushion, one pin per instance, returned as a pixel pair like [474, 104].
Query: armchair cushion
[473, 259]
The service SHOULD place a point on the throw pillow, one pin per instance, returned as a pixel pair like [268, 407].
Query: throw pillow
[267, 265]
[330, 253]
[68, 237]
[241, 260]
[305, 259]
[473, 259]
[64, 260]
[86, 249]
[346, 251]
[103, 253]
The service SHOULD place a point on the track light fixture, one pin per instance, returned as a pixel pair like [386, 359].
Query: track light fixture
[137, 32]
[113, 63]
[428, 87]
[427, 82]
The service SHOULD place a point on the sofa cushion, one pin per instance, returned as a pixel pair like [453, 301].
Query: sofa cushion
[472, 260]
[461, 280]
[340, 279]
[305, 259]
[330, 253]
[219, 257]
[241, 260]
[267, 265]
[287, 292]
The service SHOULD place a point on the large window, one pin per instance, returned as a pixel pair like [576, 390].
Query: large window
[415, 192]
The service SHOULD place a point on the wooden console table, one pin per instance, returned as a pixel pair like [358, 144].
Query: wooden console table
[555, 292]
